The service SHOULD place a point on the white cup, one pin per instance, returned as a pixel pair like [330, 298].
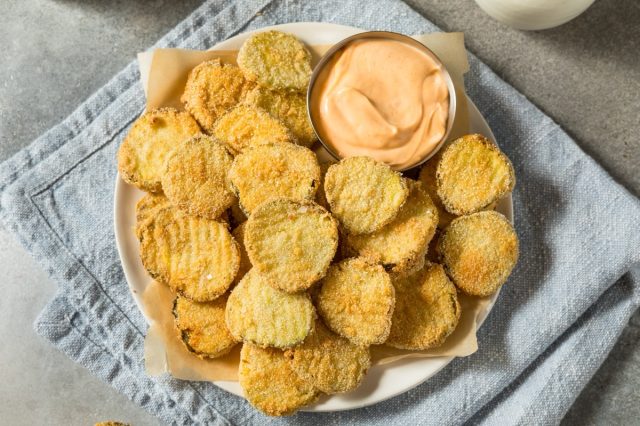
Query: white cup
[534, 14]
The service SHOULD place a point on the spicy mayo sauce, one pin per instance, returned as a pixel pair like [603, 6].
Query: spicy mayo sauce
[383, 99]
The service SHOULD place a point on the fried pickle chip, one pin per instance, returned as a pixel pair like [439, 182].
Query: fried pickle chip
[259, 314]
[363, 194]
[202, 328]
[288, 107]
[472, 174]
[427, 309]
[269, 383]
[196, 257]
[356, 300]
[245, 263]
[195, 177]
[147, 206]
[402, 244]
[329, 362]
[276, 60]
[213, 88]
[152, 137]
[428, 180]
[291, 243]
[150, 203]
[273, 171]
[246, 126]
[479, 252]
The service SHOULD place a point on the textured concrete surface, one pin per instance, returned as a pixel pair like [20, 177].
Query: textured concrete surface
[585, 74]
[39, 384]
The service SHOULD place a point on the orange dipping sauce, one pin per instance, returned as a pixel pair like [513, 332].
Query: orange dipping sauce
[383, 99]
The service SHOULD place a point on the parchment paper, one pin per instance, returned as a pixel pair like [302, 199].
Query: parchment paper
[164, 73]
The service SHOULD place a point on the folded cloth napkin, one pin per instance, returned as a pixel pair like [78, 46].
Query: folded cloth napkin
[575, 286]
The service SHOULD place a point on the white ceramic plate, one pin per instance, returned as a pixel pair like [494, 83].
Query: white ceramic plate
[382, 381]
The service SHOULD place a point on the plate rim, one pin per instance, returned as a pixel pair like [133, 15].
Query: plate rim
[121, 225]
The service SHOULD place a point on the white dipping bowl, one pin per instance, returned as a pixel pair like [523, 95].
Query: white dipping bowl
[534, 14]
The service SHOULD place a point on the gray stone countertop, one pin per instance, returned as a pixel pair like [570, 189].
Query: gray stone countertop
[584, 74]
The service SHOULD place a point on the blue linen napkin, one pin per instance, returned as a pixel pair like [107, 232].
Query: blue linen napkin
[575, 286]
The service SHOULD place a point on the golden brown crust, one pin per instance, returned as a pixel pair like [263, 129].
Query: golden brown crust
[195, 177]
[146, 208]
[363, 194]
[329, 362]
[288, 107]
[213, 88]
[479, 252]
[291, 243]
[356, 300]
[201, 326]
[195, 257]
[153, 136]
[274, 171]
[401, 245]
[269, 383]
[259, 314]
[276, 60]
[246, 126]
[245, 262]
[430, 186]
[427, 309]
[472, 174]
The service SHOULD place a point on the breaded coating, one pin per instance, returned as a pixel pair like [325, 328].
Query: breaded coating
[247, 126]
[403, 243]
[472, 174]
[196, 257]
[428, 180]
[146, 208]
[479, 252]
[143, 153]
[245, 263]
[291, 243]
[195, 177]
[356, 300]
[321, 198]
[149, 204]
[363, 194]
[427, 309]
[288, 107]
[329, 362]
[259, 314]
[415, 267]
[269, 383]
[213, 88]
[276, 60]
[273, 171]
[201, 326]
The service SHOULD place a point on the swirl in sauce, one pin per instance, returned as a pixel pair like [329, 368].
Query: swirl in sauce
[383, 99]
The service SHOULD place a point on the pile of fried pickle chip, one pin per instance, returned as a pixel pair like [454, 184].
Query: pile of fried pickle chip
[307, 264]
